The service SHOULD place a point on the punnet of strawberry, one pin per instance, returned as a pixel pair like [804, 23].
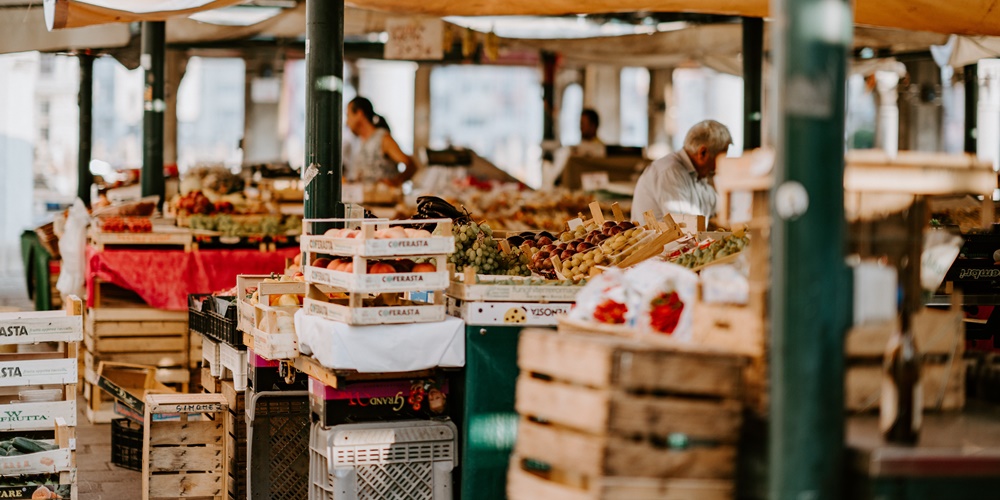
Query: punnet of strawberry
[665, 312]
[610, 312]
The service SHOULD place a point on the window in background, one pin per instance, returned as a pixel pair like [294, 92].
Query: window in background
[293, 127]
[210, 107]
[702, 94]
[495, 111]
[117, 114]
[569, 114]
[634, 107]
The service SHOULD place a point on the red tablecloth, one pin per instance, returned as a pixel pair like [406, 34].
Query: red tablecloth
[164, 278]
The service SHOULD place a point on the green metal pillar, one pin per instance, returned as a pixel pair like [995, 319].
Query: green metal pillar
[549, 61]
[154, 51]
[324, 104]
[971, 107]
[753, 64]
[85, 99]
[810, 306]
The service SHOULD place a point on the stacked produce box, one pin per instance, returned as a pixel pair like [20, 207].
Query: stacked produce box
[603, 417]
[38, 369]
[119, 327]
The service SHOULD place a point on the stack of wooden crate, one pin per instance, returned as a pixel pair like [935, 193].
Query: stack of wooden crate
[121, 328]
[236, 434]
[940, 338]
[183, 447]
[39, 369]
[605, 417]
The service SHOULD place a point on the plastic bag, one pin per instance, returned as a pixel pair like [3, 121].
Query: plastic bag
[602, 300]
[660, 296]
[72, 247]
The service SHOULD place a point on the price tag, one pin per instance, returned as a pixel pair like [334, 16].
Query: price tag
[594, 181]
[414, 39]
[353, 193]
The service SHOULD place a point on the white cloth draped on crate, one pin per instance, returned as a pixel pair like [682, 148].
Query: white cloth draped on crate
[382, 348]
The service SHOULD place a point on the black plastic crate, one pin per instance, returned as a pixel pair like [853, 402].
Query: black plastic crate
[126, 444]
[215, 317]
[278, 445]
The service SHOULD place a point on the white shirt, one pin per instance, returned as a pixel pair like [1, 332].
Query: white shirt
[671, 185]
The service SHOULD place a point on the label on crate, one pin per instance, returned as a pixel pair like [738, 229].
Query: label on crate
[119, 393]
[45, 462]
[29, 492]
[38, 372]
[380, 400]
[508, 313]
[139, 418]
[36, 416]
[34, 329]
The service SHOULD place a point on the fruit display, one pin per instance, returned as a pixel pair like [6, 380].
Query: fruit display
[116, 224]
[476, 248]
[266, 225]
[377, 266]
[711, 250]
[579, 250]
[395, 232]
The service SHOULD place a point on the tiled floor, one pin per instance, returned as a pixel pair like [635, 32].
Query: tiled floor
[97, 479]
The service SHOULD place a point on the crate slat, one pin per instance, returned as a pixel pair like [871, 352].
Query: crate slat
[628, 414]
[188, 458]
[524, 485]
[614, 456]
[599, 361]
[185, 433]
[186, 486]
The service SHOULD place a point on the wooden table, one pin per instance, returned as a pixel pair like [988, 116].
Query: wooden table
[958, 458]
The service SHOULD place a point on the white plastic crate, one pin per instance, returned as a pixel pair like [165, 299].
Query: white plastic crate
[405, 460]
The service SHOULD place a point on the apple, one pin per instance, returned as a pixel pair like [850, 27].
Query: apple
[381, 268]
[566, 255]
[334, 233]
[544, 240]
[584, 246]
[424, 267]
[321, 262]
[333, 264]
[297, 260]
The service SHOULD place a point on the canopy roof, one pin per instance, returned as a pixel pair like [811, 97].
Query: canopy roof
[965, 17]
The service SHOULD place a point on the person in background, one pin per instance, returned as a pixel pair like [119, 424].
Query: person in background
[377, 157]
[589, 145]
[679, 183]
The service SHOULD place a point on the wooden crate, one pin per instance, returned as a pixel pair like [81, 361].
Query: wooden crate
[386, 308]
[141, 329]
[597, 410]
[236, 441]
[184, 459]
[940, 338]
[50, 342]
[161, 236]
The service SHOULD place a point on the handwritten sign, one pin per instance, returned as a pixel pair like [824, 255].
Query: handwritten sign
[594, 181]
[415, 39]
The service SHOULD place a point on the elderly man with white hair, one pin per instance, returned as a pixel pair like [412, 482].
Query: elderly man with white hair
[679, 182]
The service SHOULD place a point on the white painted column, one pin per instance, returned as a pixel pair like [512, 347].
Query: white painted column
[887, 114]
[988, 124]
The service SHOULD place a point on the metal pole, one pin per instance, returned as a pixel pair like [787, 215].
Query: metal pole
[549, 103]
[810, 306]
[324, 104]
[971, 107]
[85, 179]
[753, 65]
[154, 51]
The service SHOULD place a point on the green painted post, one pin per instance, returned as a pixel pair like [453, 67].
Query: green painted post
[85, 99]
[324, 104]
[810, 309]
[154, 51]
[753, 64]
[971, 73]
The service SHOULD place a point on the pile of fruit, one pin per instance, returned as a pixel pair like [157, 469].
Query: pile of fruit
[394, 232]
[376, 266]
[580, 249]
[227, 225]
[475, 247]
[115, 224]
[196, 202]
[711, 250]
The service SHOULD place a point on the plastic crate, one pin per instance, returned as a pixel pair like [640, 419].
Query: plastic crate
[408, 460]
[126, 444]
[278, 445]
[215, 317]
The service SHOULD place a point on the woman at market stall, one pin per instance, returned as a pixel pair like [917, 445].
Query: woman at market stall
[377, 157]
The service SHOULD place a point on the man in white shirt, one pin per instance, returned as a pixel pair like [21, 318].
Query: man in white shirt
[679, 182]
